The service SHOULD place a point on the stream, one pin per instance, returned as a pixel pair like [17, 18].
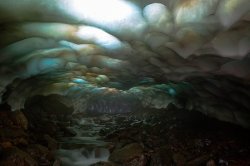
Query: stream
[87, 147]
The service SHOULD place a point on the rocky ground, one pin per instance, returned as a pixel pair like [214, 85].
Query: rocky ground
[170, 137]
[19, 145]
[28, 137]
[175, 138]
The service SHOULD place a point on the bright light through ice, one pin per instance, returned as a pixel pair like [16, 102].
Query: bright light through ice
[99, 37]
[103, 10]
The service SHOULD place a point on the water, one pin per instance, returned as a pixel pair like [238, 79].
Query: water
[82, 156]
[86, 148]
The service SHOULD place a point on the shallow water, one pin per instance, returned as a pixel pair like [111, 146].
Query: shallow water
[84, 149]
[82, 156]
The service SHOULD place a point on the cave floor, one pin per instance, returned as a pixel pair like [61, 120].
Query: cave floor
[168, 137]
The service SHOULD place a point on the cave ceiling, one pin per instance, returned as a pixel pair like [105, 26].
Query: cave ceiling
[128, 48]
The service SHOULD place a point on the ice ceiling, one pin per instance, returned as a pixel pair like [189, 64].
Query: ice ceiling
[116, 49]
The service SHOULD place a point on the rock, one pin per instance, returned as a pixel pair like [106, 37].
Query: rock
[48, 114]
[9, 137]
[40, 153]
[20, 141]
[211, 163]
[13, 119]
[48, 128]
[50, 105]
[104, 119]
[223, 162]
[1, 151]
[5, 120]
[126, 153]
[6, 144]
[16, 157]
[12, 136]
[202, 160]
[162, 157]
[12, 133]
[19, 119]
[179, 159]
[100, 152]
[57, 162]
[67, 132]
[52, 143]
[139, 161]
[102, 163]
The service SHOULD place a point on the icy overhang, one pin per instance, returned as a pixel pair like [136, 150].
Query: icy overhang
[71, 46]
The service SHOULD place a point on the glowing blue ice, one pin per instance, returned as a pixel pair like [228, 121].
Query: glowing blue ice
[79, 81]
[172, 92]
[43, 65]
[48, 63]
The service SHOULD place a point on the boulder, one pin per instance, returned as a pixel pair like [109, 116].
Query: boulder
[19, 119]
[10, 118]
[127, 153]
[52, 143]
[163, 156]
[16, 157]
[102, 163]
[68, 132]
[40, 153]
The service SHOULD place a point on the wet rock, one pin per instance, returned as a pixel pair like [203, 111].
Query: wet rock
[172, 137]
[6, 144]
[211, 163]
[48, 128]
[4, 122]
[163, 157]
[127, 153]
[202, 160]
[1, 151]
[12, 133]
[21, 141]
[52, 143]
[40, 153]
[16, 157]
[19, 119]
[45, 114]
[13, 119]
[68, 132]
[13, 136]
[223, 162]
[99, 152]
[104, 119]
[102, 163]
[57, 162]
[139, 161]
[179, 159]
[52, 105]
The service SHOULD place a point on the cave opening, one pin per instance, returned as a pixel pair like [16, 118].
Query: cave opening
[124, 83]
